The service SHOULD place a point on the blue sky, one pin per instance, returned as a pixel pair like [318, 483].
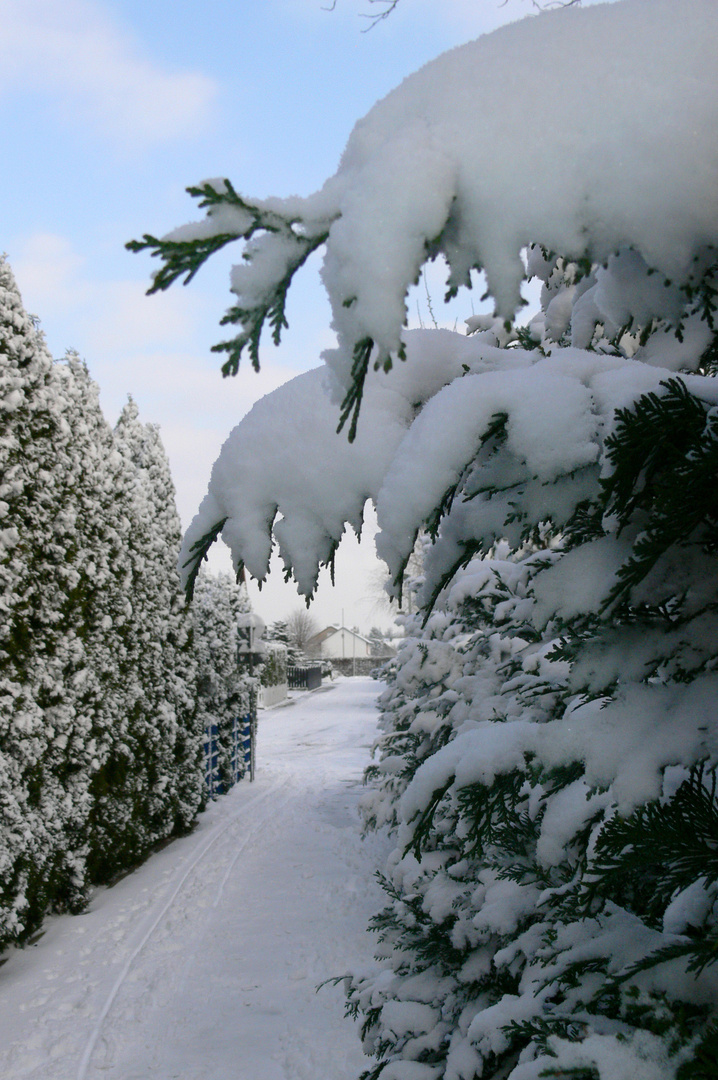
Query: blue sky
[109, 109]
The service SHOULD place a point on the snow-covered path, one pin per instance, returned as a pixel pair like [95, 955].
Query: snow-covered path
[204, 963]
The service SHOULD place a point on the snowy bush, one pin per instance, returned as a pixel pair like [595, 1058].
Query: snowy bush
[549, 748]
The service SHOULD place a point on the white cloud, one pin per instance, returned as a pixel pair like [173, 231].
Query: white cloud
[108, 316]
[127, 316]
[97, 72]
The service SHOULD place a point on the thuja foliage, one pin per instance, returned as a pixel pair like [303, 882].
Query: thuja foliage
[101, 733]
[150, 786]
[548, 766]
[183, 258]
[670, 479]
[224, 691]
[274, 665]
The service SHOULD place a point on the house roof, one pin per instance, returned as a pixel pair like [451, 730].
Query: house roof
[329, 631]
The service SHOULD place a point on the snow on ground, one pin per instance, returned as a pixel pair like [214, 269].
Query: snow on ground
[204, 963]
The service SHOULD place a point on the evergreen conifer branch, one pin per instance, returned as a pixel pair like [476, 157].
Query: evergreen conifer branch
[679, 837]
[709, 360]
[700, 952]
[271, 308]
[181, 257]
[468, 550]
[664, 453]
[702, 1063]
[199, 551]
[495, 816]
[423, 826]
[353, 397]
[184, 257]
[540, 1029]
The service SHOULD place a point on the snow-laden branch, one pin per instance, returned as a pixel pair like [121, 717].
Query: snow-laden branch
[277, 243]
[283, 474]
[582, 130]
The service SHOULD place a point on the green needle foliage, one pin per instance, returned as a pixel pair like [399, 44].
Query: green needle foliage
[182, 258]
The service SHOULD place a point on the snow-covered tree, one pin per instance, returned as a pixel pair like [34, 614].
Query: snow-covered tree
[89, 502]
[377, 641]
[550, 746]
[152, 783]
[277, 631]
[28, 422]
[164, 639]
[274, 665]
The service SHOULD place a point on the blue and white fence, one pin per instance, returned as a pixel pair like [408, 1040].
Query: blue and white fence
[212, 776]
[220, 775]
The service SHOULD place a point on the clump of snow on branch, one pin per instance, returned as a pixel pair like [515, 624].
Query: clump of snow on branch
[259, 476]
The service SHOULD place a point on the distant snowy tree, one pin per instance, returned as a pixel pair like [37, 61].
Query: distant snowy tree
[277, 635]
[273, 671]
[549, 750]
[377, 641]
[301, 627]
[277, 631]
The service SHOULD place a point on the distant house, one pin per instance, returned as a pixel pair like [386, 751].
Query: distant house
[338, 643]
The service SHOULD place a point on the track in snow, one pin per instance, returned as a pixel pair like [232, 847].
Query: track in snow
[196, 862]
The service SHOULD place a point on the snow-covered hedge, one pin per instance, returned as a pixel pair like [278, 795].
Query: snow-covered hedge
[274, 664]
[150, 783]
[101, 730]
[550, 746]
